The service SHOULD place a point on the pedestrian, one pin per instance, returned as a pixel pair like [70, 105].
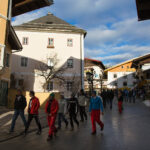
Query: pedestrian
[51, 109]
[96, 107]
[73, 111]
[62, 112]
[19, 106]
[120, 102]
[33, 108]
[82, 105]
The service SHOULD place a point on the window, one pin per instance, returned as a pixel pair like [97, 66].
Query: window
[70, 42]
[7, 60]
[24, 62]
[25, 41]
[122, 66]
[128, 67]
[125, 76]
[70, 63]
[124, 83]
[50, 43]
[69, 86]
[50, 86]
[115, 75]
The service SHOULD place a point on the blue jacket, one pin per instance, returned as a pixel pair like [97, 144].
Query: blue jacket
[96, 104]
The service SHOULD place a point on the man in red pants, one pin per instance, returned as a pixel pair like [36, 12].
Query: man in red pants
[51, 109]
[96, 107]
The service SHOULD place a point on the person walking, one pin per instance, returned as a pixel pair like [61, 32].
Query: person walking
[96, 107]
[62, 112]
[120, 102]
[33, 108]
[73, 110]
[51, 109]
[19, 106]
[82, 105]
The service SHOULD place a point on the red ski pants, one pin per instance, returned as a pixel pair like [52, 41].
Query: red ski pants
[120, 107]
[51, 123]
[95, 117]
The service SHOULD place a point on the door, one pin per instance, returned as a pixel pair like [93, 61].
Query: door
[3, 93]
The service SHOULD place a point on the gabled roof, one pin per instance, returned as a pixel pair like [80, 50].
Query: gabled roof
[49, 23]
[128, 61]
[93, 61]
[115, 66]
[24, 6]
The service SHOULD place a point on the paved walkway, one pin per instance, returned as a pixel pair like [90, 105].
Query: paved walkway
[129, 131]
[5, 122]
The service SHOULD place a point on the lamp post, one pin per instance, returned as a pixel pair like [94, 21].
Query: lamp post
[90, 78]
[50, 63]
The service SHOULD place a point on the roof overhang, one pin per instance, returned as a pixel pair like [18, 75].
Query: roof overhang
[143, 9]
[141, 61]
[13, 40]
[24, 6]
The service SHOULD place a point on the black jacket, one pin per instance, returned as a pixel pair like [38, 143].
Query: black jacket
[20, 103]
[73, 105]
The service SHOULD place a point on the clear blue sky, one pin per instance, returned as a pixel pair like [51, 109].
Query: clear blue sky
[114, 33]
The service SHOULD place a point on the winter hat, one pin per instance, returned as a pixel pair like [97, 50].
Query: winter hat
[52, 95]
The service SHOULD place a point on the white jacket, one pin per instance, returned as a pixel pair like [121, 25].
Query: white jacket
[82, 100]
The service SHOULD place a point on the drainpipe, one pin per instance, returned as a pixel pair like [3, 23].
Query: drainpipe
[82, 60]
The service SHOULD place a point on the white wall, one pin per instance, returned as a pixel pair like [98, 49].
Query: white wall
[120, 79]
[37, 50]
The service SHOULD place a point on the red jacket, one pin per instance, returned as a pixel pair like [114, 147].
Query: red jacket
[54, 107]
[34, 105]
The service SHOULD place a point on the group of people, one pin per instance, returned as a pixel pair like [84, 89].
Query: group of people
[107, 96]
[54, 109]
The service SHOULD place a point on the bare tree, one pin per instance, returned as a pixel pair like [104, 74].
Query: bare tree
[49, 70]
[75, 82]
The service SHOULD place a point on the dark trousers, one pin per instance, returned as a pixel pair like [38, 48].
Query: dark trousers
[104, 103]
[36, 117]
[15, 116]
[110, 103]
[73, 117]
[83, 114]
[61, 117]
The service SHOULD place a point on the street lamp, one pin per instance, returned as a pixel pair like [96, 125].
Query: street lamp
[50, 63]
[90, 77]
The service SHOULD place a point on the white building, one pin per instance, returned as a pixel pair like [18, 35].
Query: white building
[121, 76]
[41, 39]
[98, 70]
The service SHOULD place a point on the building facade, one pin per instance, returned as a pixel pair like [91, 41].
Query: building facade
[9, 42]
[121, 76]
[97, 68]
[47, 38]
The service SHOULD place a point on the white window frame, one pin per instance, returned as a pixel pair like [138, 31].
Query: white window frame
[69, 64]
[25, 41]
[51, 42]
[70, 42]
